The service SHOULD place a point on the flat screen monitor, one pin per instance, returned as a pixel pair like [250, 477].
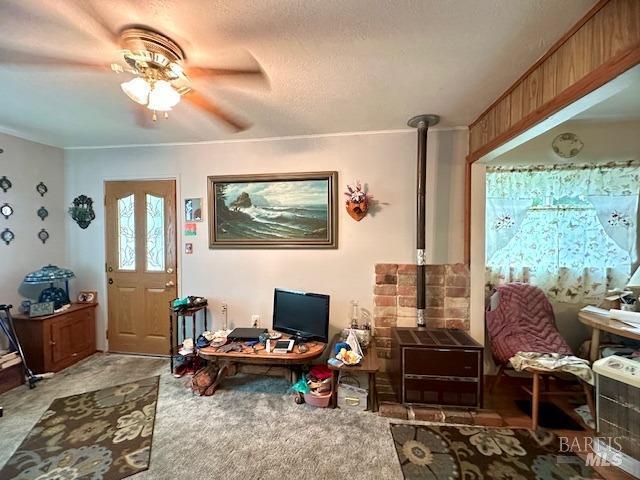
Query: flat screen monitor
[301, 314]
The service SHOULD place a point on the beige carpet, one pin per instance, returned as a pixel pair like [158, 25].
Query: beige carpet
[249, 429]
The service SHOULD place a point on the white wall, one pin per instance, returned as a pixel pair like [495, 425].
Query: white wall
[245, 279]
[26, 164]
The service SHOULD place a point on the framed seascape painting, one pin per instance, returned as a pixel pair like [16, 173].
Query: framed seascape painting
[287, 210]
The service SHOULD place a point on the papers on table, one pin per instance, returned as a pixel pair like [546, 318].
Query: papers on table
[632, 318]
[597, 310]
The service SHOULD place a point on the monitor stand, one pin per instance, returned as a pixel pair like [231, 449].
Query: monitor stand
[299, 339]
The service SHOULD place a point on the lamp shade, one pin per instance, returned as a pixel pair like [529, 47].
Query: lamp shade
[48, 274]
[137, 90]
[634, 281]
[163, 97]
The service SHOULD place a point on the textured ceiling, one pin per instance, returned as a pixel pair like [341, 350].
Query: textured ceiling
[334, 66]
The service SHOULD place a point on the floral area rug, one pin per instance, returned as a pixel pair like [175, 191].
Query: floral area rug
[474, 453]
[104, 434]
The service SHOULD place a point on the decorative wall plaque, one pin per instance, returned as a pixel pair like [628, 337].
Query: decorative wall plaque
[7, 235]
[567, 145]
[42, 213]
[82, 211]
[5, 183]
[43, 235]
[41, 188]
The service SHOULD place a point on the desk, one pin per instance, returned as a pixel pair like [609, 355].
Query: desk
[603, 323]
[369, 364]
[252, 356]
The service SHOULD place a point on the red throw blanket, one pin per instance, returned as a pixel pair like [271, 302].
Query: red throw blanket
[523, 322]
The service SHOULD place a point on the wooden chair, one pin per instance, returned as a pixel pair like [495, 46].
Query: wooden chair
[522, 320]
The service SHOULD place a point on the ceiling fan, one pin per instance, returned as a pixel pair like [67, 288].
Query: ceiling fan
[162, 76]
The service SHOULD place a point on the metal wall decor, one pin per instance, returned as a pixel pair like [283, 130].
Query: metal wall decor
[41, 188]
[42, 213]
[7, 235]
[5, 183]
[82, 211]
[43, 235]
[6, 210]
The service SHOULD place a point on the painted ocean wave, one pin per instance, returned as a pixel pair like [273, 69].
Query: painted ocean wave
[277, 222]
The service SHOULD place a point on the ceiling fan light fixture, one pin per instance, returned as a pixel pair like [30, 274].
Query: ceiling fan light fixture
[177, 69]
[163, 97]
[137, 90]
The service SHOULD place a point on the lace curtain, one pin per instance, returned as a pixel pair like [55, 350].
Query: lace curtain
[570, 229]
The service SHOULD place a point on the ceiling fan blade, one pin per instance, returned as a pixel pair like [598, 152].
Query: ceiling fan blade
[17, 57]
[197, 72]
[194, 98]
[85, 15]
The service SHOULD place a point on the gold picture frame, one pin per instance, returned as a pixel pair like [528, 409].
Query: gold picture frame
[88, 296]
[285, 210]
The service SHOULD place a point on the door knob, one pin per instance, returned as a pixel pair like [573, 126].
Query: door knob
[169, 270]
[111, 281]
[170, 284]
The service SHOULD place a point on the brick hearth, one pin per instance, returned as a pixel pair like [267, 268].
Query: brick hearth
[447, 299]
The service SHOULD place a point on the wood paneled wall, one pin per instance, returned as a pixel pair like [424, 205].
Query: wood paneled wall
[605, 43]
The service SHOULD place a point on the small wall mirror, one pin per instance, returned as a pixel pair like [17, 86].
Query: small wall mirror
[5, 183]
[41, 188]
[6, 210]
[7, 235]
[42, 213]
[43, 235]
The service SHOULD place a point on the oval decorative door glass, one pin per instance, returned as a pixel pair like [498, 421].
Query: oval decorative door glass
[155, 234]
[126, 233]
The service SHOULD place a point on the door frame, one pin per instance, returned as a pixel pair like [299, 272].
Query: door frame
[179, 231]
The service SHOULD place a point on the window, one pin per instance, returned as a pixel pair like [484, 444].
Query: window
[569, 229]
[155, 233]
[126, 233]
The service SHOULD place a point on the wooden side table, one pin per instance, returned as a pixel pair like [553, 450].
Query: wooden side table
[54, 342]
[369, 365]
[174, 318]
[603, 323]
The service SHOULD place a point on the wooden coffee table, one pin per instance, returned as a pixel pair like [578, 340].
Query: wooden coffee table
[253, 356]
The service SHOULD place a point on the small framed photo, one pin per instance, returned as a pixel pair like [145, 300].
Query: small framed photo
[193, 209]
[88, 297]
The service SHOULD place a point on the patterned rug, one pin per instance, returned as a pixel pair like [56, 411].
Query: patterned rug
[475, 453]
[104, 434]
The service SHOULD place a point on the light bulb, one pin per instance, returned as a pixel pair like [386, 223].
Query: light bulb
[163, 97]
[137, 90]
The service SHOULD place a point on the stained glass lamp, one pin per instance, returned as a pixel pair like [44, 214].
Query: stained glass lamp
[51, 274]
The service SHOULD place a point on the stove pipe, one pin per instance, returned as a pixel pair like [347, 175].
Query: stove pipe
[422, 123]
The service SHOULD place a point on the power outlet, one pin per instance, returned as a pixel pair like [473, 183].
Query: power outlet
[255, 321]
[224, 309]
